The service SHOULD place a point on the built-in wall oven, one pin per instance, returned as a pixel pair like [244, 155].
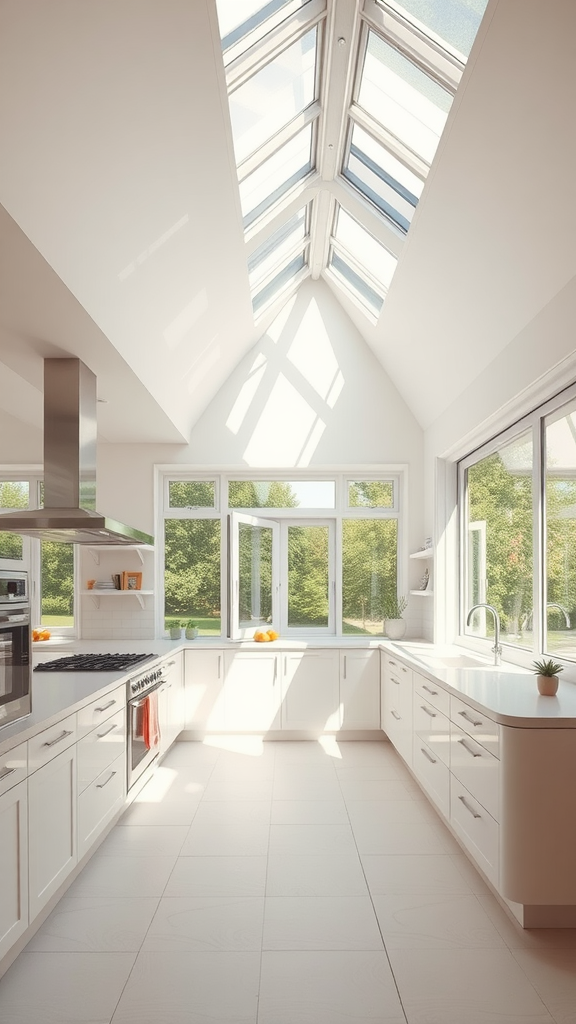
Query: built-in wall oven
[143, 727]
[15, 647]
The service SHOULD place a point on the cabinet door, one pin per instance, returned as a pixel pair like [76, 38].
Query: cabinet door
[360, 689]
[397, 711]
[99, 802]
[52, 827]
[252, 692]
[204, 690]
[174, 672]
[310, 691]
[13, 866]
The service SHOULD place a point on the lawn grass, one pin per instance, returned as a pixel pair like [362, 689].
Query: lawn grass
[206, 625]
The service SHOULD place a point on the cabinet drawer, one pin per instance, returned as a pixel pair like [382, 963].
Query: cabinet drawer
[433, 728]
[100, 747]
[433, 775]
[100, 802]
[13, 767]
[47, 744]
[476, 828]
[477, 769]
[100, 710]
[432, 693]
[396, 668]
[476, 724]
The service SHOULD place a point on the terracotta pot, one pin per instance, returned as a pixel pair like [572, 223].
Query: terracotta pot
[394, 628]
[547, 685]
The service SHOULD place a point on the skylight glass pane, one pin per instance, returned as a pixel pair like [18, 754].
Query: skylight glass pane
[455, 21]
[276, 248]
[367, 252]
[383, 179]
[275, 176]
[273, 96]
[402, 98]
[356, 283]
[278, 282]
[239, 18]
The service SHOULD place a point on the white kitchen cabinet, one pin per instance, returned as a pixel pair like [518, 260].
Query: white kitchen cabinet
[99, 802]
[51, 827]
[360, 689]
[100, 747]
[204, 690]
[252, 691]
[171, 701]
[13, 865]
[397, 705]
[310, 691]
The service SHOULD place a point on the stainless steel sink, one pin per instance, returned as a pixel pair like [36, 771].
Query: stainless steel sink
[455, 661]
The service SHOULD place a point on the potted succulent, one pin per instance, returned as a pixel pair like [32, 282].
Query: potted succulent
[547, 672]
[394, 625]
[175, 628]
[191, 629]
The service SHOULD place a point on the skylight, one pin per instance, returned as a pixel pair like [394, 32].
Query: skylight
[333, 141]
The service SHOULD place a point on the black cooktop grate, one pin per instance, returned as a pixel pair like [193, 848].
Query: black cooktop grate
[93, 663]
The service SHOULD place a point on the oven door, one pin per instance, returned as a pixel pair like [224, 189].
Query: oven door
[140, 754]
[15, 664]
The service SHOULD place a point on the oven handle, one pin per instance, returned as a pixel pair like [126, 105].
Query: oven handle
[137, 702]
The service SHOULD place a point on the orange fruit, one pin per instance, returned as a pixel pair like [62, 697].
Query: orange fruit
[272, 635]
[259, 635]
[44, 634]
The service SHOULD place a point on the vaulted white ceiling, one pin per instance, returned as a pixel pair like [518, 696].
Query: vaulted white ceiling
[121, 237]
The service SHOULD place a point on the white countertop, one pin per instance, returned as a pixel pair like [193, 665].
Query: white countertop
[507, 693]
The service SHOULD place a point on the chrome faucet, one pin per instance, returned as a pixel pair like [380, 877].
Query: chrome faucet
[552, 604]
[497, 649]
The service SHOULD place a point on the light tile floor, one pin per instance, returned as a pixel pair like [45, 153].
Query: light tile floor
[283, 884]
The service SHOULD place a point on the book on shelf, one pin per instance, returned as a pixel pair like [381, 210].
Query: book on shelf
[116, 581]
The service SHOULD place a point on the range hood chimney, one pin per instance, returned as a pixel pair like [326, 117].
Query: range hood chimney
[69, 513]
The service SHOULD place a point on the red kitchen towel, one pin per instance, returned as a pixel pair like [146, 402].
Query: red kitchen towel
[150, 725]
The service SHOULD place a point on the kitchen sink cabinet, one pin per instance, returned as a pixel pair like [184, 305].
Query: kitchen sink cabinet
[13, 865]
[360, 689]
[252, 691]
[52, 839]
[310, 691]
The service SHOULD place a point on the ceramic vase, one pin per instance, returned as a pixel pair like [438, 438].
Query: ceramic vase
[191, 632]
[394, 628]
[547, 685]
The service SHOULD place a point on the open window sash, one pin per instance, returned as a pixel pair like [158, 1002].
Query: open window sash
[254, 575]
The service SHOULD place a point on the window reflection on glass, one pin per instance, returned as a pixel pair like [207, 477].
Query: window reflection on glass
[191, 493]
[454, 21]
[383, 179]
[192, 573]
[308, 576]
[255, 575]
[57, 584]
[409, 104]
[261, 189]
[272, 97]
[499, 549]
[560, 636]
[241, 18]
[369, 573]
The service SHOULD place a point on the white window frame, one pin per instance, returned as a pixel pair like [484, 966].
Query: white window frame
[238, 632]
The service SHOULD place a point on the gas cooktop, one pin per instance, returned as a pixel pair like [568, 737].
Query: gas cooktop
[93, 663]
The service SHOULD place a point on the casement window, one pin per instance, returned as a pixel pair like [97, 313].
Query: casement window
[51, 565]
[308, 557]
[517, 498]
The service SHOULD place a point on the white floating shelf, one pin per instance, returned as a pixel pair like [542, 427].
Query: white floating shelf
[422, 593]
[425, 553]
[95, 595]
[138, 548]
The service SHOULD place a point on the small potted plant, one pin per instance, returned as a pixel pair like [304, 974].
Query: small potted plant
[547, 676]
[174, 627]
[191, 629]
[394, 625]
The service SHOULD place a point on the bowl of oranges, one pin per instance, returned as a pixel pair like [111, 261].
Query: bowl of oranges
[40, 634]
[262, 637]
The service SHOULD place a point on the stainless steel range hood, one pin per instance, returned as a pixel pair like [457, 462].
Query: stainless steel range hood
[69, 513]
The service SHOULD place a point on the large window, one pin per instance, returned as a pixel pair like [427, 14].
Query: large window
[305, 557]
[518, 533]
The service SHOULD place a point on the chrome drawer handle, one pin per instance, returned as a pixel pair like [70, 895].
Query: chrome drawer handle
[431, 714]
[473, 721]
[468, 808]
[6, 772]
[403, 669]
[469, 749]
[62, 736]
[390, 662]
[429, 690]
[105, 707]
[396, 715]
[101, 735]
[428, 756]
[100, 785]
[394, 680]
